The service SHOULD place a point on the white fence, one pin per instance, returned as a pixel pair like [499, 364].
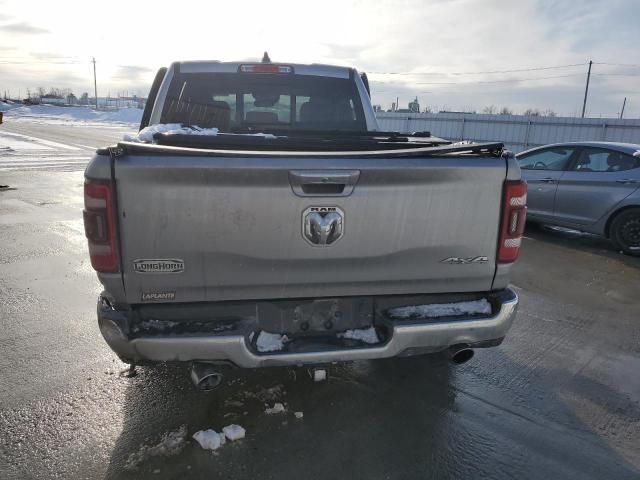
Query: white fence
[517, 132]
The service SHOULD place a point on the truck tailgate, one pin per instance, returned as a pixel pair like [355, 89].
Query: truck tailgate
[199, 228]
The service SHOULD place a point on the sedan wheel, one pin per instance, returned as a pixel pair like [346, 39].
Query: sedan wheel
[625, 231]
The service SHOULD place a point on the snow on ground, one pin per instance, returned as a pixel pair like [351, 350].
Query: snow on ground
[70, 115]
[366, 335]
[24, 152]
[212, 440]
[209, 439]
[234, 432]
[17, 142]
[171, 443]
[277, 408]
[442, 310]
[271, 342]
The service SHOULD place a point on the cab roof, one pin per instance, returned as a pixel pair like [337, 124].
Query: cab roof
[214, 66]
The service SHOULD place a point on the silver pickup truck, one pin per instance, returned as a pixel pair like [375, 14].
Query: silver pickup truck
[274, 224]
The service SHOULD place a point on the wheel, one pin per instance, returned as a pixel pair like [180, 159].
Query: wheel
[625, 231]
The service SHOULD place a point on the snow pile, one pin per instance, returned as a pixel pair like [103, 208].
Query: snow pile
[271, 342]
[277, 408]
[147, 133]
[170, 444]
[366, 335]
[265, 395]
[209, 439]
[234, 432]
[319, 375]
[212, 440]
[436, 310]
[54, 114]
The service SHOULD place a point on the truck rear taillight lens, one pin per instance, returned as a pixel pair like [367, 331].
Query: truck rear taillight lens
[99, 225]
[514, 214]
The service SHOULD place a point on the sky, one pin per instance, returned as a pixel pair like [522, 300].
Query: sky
[451, 54]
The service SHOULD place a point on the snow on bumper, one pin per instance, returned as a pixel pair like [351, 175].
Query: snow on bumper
[406, 339]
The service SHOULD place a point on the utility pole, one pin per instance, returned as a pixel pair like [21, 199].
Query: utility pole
[586, 90]
[95, 83]
[623, 104]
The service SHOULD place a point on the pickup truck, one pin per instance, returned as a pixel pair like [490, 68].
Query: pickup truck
[274, 224]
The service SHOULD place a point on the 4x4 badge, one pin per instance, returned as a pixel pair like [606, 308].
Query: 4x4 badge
[464, 260]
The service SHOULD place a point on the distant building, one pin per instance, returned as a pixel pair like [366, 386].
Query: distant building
[414, 107]
[52, 99]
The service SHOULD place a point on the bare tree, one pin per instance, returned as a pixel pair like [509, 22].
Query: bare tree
[549, 113]
[41, 91]
[529, 112]
[489, 109]
[59, 92]
[506, 111]
[428, 109]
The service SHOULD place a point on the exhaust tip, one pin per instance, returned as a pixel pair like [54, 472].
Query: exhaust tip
[459, 354]
[205, 377]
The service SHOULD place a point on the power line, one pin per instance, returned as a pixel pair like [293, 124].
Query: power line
[514, 80]
[511, 80]
[531, 69]
[616, 74]
[618, 64]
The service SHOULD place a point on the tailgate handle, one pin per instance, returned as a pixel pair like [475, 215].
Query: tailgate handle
[323, 183]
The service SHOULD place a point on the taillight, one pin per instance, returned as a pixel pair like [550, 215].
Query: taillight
[514, 213]
[265, 68]
[99, 225]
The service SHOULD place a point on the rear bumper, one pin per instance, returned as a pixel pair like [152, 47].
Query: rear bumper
[405, 338]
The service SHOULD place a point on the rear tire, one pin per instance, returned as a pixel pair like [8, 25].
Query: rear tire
[625, 231]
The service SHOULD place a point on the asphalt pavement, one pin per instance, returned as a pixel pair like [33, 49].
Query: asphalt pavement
[560, 398]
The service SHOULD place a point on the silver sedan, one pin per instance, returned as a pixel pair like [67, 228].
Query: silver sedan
[589, 186]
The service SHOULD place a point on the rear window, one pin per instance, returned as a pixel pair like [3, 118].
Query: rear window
[229, 101]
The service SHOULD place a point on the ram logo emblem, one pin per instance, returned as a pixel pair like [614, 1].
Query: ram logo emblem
[322, 226]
